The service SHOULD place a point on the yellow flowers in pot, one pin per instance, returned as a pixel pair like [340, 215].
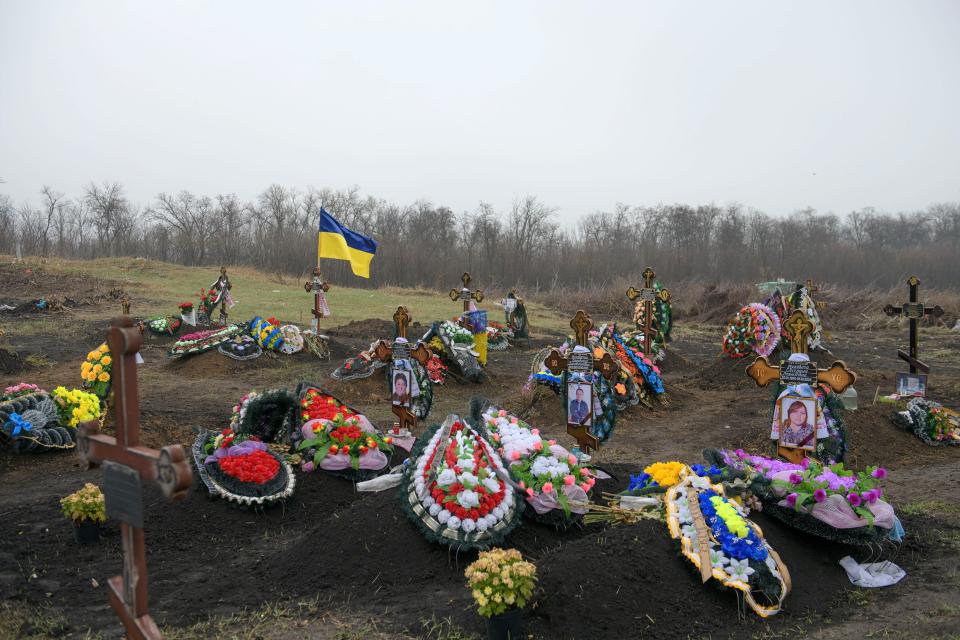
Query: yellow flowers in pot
[500, 579]
[84, 505]
[76, 406]
[95, 371]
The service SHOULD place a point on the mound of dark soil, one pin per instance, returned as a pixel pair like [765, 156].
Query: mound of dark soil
[11, 362]
[724, 373]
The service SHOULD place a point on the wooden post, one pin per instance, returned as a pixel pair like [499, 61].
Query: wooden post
[400, 350]
[318, 286]
[464, 293]
[582, 363]
[914, 310]
[647, 296]
[126, 464]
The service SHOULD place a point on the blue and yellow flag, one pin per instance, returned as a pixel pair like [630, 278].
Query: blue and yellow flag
[337, 242]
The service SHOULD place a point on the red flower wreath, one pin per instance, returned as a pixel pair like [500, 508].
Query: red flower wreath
[257, 467]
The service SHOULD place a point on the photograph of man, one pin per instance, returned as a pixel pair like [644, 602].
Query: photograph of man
[909, 384]
[797, 429]
[579, 410]
[401, 388]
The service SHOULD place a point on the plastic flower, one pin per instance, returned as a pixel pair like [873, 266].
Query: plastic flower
[740, 570]
[106, 360]
[819, 495]
[792, 499]
[796, 478]
[718, 559]
[854, 499]
[104, 377]
[879, 473]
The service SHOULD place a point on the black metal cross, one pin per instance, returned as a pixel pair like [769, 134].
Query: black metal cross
[913, 310]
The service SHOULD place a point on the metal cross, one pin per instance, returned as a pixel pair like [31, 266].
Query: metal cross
[318, 286]
[647, 295]
[386, 351]
[914, 310]
[125, 457]
[464, 292]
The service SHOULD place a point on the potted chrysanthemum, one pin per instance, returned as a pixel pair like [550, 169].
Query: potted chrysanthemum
[502, 583]
[87, 510]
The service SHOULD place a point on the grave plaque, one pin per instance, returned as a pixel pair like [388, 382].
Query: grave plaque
[798, 372]
[580, 361]
[122, 493]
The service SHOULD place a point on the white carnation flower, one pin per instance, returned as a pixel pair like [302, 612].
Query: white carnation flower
[446, 478]
[468, 524]
[443, 516]
[435, 509]
[453, 522]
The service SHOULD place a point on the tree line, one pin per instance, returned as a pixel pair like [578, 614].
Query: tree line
[427, 245]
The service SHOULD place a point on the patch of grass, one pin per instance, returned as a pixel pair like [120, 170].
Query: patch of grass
[39, 360]
[930, 508]
[859, 597]
[26, 622]
[443, 629]
[945, 609]
[156, 288]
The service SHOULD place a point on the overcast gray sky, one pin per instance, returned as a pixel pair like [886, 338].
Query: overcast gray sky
[835, 105]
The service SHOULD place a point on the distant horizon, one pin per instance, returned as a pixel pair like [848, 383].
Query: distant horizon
[778, 107]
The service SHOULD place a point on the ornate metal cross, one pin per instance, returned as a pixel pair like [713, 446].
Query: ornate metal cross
[582, 363]
[126, 464]
[838, 377]
[914, 310]
[318, 287]
[400, 349]
[647, 295]
[464, 293]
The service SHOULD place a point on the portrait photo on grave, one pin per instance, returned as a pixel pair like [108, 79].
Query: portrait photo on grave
[798, 419]
[912, 384]
[400, 385]
[580, 407]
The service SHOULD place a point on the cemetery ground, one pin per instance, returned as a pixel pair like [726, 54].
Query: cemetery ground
[334, 563]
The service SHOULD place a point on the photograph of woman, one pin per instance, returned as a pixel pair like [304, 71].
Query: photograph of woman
[401, 388]
[797, 429]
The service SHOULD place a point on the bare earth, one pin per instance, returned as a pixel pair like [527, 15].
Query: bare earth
[343, 564]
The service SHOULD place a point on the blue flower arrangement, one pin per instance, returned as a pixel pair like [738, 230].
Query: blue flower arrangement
[651, 377]
[748, 547]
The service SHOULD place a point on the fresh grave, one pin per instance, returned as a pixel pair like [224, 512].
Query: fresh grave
[456, 489]
[238, 463]
[555, 485]
[829, 501]
[930, 421]
[30, 420]
[653, 317]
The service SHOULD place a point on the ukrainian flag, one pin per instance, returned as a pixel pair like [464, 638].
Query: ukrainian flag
[337, 242]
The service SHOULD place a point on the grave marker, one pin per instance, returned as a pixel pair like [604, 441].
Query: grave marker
[582, 362]
[913, 310]
[838, 377]
[464, 293]
[647, 295]
[126, 464]
[223, 286]
[320, 308]
[400, 350]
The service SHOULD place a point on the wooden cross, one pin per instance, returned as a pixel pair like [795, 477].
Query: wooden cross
[318, 286]
[838, 377]
[583, 363]
[126, 464]
[400, 349]
[811, 289]
[914, 310]
[464, 293]
[647, 295]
